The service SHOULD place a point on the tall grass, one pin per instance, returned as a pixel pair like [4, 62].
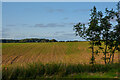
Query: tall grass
[35, 70]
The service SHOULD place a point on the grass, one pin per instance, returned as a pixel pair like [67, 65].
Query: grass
[38, 70]
[96, 75]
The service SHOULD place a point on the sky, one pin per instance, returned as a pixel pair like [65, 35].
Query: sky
[60, 0]
[50, 20]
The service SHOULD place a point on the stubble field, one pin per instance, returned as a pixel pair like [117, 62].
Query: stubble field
[60, 52]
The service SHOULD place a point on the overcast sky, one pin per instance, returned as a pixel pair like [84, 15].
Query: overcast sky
[46, 20]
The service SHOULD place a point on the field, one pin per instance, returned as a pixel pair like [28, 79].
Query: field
[66, 57]
[69, 52]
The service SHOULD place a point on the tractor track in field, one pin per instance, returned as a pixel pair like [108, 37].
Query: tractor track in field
[7, 60]
[13, 60]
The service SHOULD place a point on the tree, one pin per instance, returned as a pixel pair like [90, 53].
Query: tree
[53, 40]
[115, 34]
[117, 30]
[109, 35]
[106, 31]
[92, 33]
[101, 33]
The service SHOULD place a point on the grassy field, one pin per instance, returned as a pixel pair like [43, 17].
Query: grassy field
[58, 59]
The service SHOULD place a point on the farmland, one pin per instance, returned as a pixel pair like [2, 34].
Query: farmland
[69, 55]
[60, 52]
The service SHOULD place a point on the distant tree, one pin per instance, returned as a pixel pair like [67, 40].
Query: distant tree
[61, 41]
[27, 40]
[53, 40]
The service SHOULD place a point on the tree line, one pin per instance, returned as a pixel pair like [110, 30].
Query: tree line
[35, 40]
[103, 35]
[27, 40]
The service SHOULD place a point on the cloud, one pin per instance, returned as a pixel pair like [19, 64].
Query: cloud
[69, 34]
[62, 24]
[70, 23]
[5, 35]
[5, 32]
[24, 24]
[81, 10]
[10, 25]
[66, 18]
[55, 10]
[65, 33]
[40, 25]
[55, 25]
[14, 25]
[50, 25]
[5, 29]
[59, 32]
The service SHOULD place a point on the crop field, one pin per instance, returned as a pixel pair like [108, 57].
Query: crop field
[63, 55]
[60, 52]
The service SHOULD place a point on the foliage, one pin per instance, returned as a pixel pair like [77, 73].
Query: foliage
[100, 32]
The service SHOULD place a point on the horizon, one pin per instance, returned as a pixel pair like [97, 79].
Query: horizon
[42, 38]
[48, 20]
